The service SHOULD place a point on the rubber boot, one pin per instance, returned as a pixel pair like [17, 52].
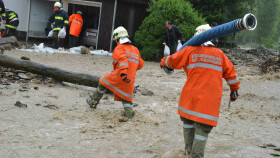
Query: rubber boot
[188, 131]
[93, 100]
[128, 109]
[200, 139]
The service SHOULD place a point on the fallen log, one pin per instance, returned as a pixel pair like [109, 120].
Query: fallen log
[55, 73]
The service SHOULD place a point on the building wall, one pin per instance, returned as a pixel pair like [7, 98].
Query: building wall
[21, 7]
[40, 11]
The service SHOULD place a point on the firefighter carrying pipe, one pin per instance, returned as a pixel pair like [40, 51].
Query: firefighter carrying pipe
[248, 22]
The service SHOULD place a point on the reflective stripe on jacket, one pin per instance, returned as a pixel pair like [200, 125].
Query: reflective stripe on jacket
[76, 21]
[205, 67]
[11, 26]
[127, 60]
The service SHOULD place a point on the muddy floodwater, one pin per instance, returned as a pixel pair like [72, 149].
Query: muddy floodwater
[57, 122]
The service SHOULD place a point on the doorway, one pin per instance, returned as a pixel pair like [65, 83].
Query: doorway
[91, 18]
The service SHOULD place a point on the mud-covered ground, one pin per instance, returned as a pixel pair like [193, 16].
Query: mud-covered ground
[58, 123]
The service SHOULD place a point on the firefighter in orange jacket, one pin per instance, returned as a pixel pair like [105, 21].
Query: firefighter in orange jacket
[201, 96]
[76, 22]
[126, 61]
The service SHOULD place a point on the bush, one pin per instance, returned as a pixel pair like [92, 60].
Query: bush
[149, 37]
[150, 53]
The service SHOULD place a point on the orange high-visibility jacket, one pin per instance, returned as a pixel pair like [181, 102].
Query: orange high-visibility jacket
[127, 60]
[76, 21]
[205, 67]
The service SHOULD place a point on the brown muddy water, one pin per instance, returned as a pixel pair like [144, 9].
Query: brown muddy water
[58, 123]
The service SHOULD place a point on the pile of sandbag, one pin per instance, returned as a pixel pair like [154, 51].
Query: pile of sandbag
[75, 50]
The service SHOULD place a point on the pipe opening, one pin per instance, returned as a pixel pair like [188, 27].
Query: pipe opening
[249, 21]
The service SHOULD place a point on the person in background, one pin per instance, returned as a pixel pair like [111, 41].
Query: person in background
[172, 36]
[76, 24]
[126, 62]
[214, 41]
[2, 14]
[12, 22]
[201, 96]
[59, 20]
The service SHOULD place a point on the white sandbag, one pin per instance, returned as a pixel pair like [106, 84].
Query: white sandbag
[50, 34]
[72, 51]
[49, 50]
[179, 46]
[166, 50]
[76, 49]
[100, 53]
[62, 33]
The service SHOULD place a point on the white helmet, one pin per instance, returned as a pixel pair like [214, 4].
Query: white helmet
[201, 29]
[119, 33]
[57, 4]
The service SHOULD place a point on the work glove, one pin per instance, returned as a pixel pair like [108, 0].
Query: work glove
[167, 70]
[125, 78]
[233, 95]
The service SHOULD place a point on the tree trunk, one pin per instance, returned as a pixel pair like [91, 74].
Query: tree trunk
[55, 73]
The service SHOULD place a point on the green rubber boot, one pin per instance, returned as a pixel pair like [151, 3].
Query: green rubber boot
[128, 109]
[93, 100]
[200, 139]
[188, 131]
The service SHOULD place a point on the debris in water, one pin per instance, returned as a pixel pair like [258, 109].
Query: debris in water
[123, 119]
[277, 149]
[85, 50]
[24, 76]
[276, 155]
[24, 58]
[145, 91]
[25, 86]
[21, 105]
[23, 90]
[53, 107]
[271, 145]
[83, 131]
